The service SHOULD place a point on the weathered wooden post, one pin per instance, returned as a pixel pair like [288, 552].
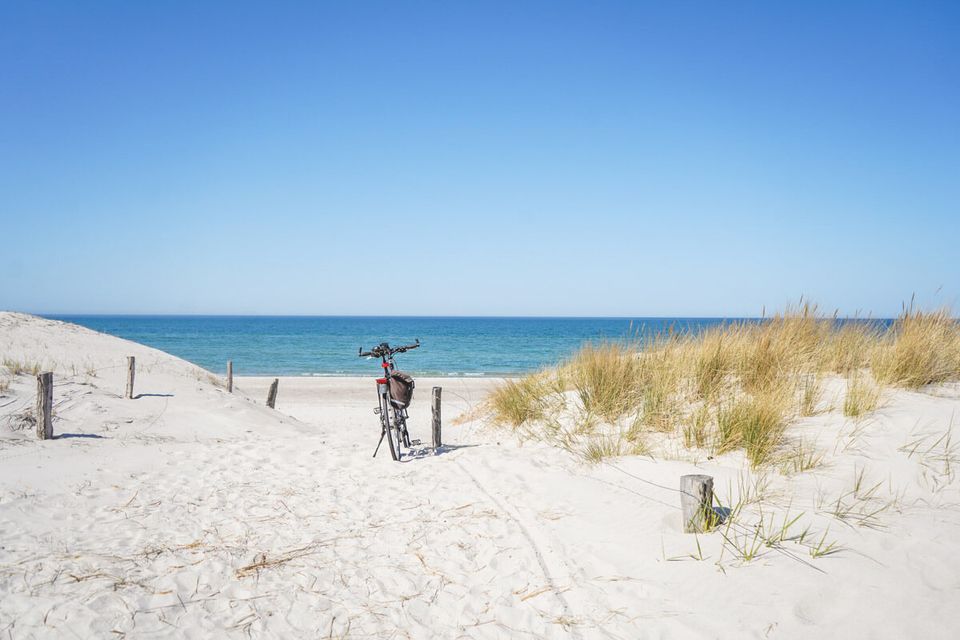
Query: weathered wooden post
[436, 417]
[696, 502]
[131, 373]
[272, 394]
[44, 408]
[229, 376]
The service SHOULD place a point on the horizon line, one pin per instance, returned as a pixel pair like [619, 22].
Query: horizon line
[437, 316]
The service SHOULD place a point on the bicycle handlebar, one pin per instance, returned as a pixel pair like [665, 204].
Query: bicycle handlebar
[383, 349]
[408, 347]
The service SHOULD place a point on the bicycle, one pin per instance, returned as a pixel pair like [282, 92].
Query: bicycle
[394, 392]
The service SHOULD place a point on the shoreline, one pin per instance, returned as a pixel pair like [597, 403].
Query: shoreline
[373, 374]
[309, 398]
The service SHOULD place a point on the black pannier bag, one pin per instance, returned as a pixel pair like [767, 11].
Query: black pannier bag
[401, 389]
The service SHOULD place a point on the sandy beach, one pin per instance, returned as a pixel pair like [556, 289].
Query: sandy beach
[192, 512]
[685, 273]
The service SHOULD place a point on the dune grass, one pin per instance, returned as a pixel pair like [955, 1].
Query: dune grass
[921, 348]
[605, 377]
[611, 446]
[799, 456]
[520, 401]
[20, 367]
[736, 386]
[811, 390]
[862, 396]
[753, 423]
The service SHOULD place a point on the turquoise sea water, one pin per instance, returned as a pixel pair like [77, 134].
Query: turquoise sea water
[297, 345]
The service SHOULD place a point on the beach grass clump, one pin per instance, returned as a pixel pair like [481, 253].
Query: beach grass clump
[520, 401]
[862, 505]
[611, 446]
[711, 363]
[809, 393]
[849, 346]
[20, 367]
[661, 386]
[823, 548]
[754, 423]
[782, 348]
[863, 396]
[920, 348]
[800, 456]
[938, 455]
[607, 379]
[696, 430]
[759, 361]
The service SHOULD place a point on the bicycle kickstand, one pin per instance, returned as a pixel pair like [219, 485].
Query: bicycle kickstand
[382, 433]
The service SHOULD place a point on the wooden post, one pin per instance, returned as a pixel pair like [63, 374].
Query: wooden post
[436, 417]
[696, 502]
[44, 409]
[272, 394]
[229, 376]
[131, 372]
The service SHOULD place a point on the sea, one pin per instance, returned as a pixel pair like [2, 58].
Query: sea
[328, 345]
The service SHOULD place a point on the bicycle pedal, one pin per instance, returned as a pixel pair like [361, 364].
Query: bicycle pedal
[415, 443]
[376, 411]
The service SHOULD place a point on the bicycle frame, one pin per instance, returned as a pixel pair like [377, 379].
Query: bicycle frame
[391, 416]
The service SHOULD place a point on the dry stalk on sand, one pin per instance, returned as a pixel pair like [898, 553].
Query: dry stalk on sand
[21, 420]
[264, 561]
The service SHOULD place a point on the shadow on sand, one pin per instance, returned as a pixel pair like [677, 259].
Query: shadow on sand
[430, 452]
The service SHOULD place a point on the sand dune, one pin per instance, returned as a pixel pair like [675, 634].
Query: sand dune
[191, 512]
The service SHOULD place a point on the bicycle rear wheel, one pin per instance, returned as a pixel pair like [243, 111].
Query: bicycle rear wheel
[393, 432]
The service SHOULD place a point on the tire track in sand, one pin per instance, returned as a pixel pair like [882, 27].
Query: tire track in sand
[548, 577]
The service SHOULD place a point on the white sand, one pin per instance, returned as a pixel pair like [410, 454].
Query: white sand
[190, 512]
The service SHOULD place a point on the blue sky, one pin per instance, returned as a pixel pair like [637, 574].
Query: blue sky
[453, 158]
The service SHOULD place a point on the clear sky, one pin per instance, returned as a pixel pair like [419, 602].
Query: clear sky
[454, 158]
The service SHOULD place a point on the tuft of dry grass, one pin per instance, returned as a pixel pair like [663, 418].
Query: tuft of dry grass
[862, 505]
[938, 455]
[810, 392]
[711, 364]
[862, 396]
[606, 378]
[921, 348]
[661, 380]
[611, 446]
[849, 346]
[520, 401]
[19, 367]
[755, 424]
[800, 457]
[696, 432]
